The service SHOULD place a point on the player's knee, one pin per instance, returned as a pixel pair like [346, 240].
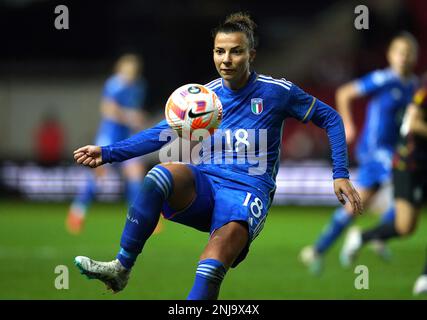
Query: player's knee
[179, 171]
[159, 178]
[239, 231]
[184, 185]
[405, 229]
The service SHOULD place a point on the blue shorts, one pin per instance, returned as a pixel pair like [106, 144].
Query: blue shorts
[110, 132]
[219, 202]
[373, 174]
[374, 168]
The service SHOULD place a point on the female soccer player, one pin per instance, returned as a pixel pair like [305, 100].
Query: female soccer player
[391, 90]
[122, 116]
[227, 199]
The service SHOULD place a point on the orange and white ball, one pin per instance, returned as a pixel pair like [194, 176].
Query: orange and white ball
[192, 107]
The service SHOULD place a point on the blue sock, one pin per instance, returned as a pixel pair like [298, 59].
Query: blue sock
[86, 194]
[144, 214]
[209, 275]
[340, 220]
[132, 190]
[388, 216]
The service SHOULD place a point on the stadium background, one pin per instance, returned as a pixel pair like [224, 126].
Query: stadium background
[60, 73]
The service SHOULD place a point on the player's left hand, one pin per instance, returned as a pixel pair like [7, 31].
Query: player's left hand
[345, 187]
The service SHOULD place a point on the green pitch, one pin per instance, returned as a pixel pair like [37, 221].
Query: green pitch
[33, 242]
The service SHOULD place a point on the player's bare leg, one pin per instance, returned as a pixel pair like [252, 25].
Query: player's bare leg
[223, 248]
[226, 243]
[76, 214]
[406, 217]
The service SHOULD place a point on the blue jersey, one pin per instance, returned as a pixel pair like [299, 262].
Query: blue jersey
[125, 95]
[389, 97]
[250, 114]
[254, 112]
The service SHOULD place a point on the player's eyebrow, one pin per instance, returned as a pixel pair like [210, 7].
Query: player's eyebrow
[233, 48]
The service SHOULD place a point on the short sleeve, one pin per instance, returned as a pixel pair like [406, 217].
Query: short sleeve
[371, 82]
[300, 105]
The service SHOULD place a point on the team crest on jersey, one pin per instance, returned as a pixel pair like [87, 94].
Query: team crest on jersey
[257, 105]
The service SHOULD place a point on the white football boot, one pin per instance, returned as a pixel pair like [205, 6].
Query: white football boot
[312, 260]
[112, 273]
[351, 247]
[420, 286]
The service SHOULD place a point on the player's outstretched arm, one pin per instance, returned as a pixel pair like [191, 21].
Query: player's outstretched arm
[89, 156]
[144, 142]
[327, 118]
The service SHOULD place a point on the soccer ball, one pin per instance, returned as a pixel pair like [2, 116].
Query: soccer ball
[192, 107]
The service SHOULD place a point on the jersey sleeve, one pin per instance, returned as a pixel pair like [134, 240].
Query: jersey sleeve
[111, 90]
[300, 104]
[329, 119]
[371, 82]
[142, 143]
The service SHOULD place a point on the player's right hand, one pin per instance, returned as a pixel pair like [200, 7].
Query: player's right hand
[89, 156]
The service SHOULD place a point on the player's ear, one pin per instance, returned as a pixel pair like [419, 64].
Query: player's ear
[252, 55]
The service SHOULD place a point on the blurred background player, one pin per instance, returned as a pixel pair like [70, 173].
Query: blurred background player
[410, 185]
[121, 116]
[391, 90]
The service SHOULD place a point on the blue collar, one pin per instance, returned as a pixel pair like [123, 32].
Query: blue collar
[252, 78]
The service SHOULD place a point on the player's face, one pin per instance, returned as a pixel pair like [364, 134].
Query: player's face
[232, 57]
[402, 56]
[129, 71]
